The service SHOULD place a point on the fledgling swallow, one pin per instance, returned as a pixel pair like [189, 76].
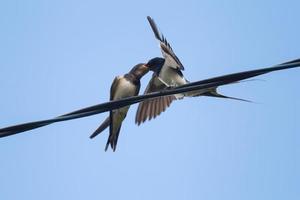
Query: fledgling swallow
[123, 86]
[167, 73]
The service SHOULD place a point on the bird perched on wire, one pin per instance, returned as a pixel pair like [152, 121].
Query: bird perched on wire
[127, 85]
[123, 86]
[167, 73]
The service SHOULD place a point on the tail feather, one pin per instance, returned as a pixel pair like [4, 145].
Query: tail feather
[214, 93]
[107, 144]
[101, 128]
[114, 130]
[116, 140]
[112, 140]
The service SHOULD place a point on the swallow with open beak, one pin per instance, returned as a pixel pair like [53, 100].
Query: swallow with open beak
[167, 74]
[123, 86]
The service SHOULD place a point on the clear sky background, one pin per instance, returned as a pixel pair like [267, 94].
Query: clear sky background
[58, 56]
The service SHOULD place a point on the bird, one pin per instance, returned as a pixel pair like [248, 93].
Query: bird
[167, 74]
[123, 86]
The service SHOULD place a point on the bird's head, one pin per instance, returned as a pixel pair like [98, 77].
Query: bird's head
[155, 64]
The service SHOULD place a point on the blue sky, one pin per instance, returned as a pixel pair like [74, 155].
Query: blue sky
[59, 56]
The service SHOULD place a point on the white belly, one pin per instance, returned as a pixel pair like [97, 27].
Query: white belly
[125, 89]
[171, 78]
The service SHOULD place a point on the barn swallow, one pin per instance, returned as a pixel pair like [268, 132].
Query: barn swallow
[123, 86]
[167, 73]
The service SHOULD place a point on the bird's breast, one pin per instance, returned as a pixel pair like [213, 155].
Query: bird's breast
[125, 89]
[171, 77]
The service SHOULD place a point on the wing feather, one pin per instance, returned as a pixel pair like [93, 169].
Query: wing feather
[165, 46]
[151, 108]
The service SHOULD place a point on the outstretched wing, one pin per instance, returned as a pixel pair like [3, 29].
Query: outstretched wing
[151, 108]
[167, 51]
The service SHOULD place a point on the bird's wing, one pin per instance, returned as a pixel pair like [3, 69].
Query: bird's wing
[151, 108]
[114, 87]
[114, 122]
[106, 122]
[167, 51]
[114, 130]
[101, 128]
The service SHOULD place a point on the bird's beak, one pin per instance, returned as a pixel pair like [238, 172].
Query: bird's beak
[152, 68]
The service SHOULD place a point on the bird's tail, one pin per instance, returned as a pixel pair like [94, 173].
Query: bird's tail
[113, 140]
[101, 128]
[214, 93]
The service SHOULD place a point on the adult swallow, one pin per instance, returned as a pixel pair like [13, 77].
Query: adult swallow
[167, 73]
[123, 86]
